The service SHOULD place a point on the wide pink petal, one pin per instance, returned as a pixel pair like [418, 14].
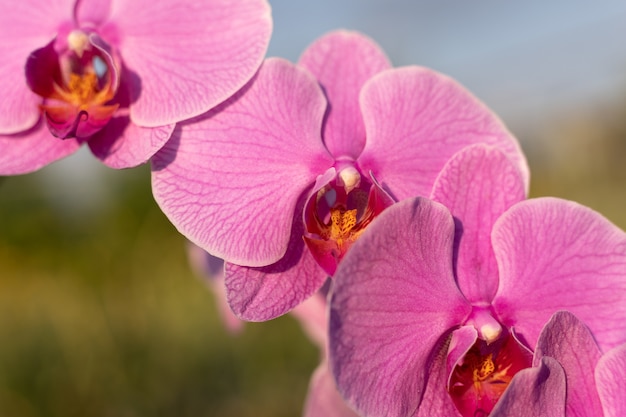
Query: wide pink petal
[27, 152]
[537, 391]
[477, 185]
[415, 120]
[24, 27]
[394, 298]
[123, 144]
[264, 293]
[323, 399]
[610, 376]
[558, 255]
[230, 180]
[342, 62]
[188, 56]
[569, 341]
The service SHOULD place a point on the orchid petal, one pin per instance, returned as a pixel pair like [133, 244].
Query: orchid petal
[323, 399]
[189, 56]
[569, 341]
[415, 120]
[92, 12]
[558, 255]
[342, 62]
[123, 144]
[264, 293]
[28, 151]
[230, 181]
[610, 376]
[477, 185]
[436, 401]
[394, 297]
[538, 391]
[24, 27]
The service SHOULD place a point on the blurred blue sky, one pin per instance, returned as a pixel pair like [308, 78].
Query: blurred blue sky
[527, 59]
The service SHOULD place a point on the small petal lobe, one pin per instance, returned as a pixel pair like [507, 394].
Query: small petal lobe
[537, 391]
[342, 62]
[477, 185]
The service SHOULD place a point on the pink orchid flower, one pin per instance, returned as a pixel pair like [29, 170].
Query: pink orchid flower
[570, 376]
[438, 305]
[282, 178]
[117, 74]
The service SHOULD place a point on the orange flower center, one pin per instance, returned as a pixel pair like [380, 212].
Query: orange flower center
[338, 213]
[83, 91]
[479, 381]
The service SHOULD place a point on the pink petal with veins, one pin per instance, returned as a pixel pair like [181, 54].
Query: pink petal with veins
[189, 56]
[230, 180]
[415, 120]
[342, 62]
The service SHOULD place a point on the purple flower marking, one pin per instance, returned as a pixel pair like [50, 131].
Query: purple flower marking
[117, 74]
[437, 305]
[281, 179]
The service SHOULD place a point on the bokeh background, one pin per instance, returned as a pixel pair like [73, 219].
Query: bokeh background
[100, 313]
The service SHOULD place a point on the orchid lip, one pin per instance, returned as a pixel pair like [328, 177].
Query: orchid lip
[338, 212]
[77, 84]
[484, 373]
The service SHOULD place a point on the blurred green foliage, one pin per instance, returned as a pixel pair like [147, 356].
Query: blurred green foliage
[102, 317]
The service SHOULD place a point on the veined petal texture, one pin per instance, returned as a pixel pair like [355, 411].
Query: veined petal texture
[556, 255]
[189, 55]
[342, 62]
[24, 27]
[26, 152]
[230, 180]
[569, 341]
[610, 376]
[477, 185]
[394, 298]
[537, 391]
[415, 120]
